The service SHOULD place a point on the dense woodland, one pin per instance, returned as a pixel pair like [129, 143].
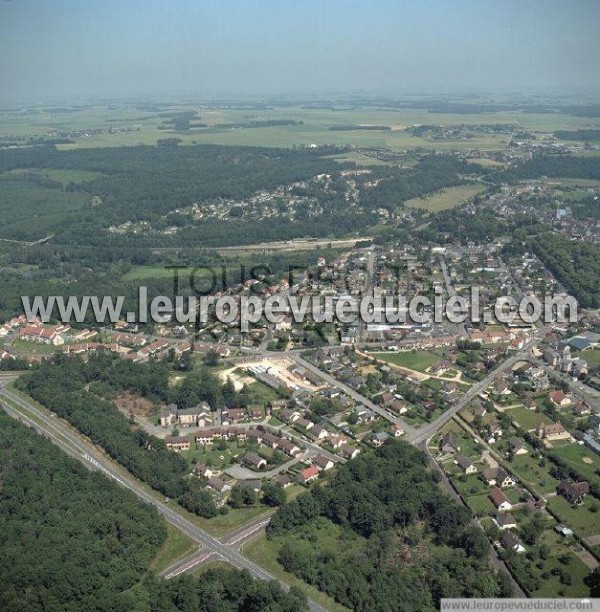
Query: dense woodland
[575, 264]
[403, 544]
[552, 166]
[73, 540]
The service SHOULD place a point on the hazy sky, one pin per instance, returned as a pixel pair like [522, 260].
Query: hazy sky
[80, 48]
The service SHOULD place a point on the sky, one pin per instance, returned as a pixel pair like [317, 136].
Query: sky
[205, 48]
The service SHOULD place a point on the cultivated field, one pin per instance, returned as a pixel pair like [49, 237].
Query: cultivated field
[446, 198]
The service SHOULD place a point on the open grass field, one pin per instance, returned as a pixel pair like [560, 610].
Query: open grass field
[414, 360]
[481, 505]
[585, 461]
[176, 546]
[446, 198]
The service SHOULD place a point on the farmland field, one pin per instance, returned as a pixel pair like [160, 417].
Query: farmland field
[129, 125]
[445, 199]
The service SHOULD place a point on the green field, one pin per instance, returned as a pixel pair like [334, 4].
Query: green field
[447, 198]
[592, 356]
[176, 546]
[414, 360]
[528, 469]
[527, 419]
[585, 461]
[34, 348]
[581, 519]
[225, 523]
[314, 128]
[481, 505]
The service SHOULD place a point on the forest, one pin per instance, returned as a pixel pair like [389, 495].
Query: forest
[74, 540]
[575, 264]
[552, 166]
[402, 543]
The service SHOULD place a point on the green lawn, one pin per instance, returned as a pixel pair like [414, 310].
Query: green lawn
[472, 485]
[581, 519]
[529, 470]
[481, 505]
[592, 356]
[34, 348]
[216, 457]
[527, 419]
[176, 545]
[414, 360]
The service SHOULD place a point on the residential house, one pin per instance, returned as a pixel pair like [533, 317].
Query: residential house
[236, 414]
[323, 462]
[518, 446]
[449, 443]
[563, 530]
[319, 433]
[282, 479]
[397, 430]
[500, 500]
[254, 461]
[377, 439]
[200, 469]
[573, 492]
[553, 431]
[505, 520]
[511, 542]
[348, 452]
[177, 443]
[188, 417]
[498, 476]
[169, 415]
[560, 399]
[289, 447]
[309, 474]
[467, 466]
[218, 485]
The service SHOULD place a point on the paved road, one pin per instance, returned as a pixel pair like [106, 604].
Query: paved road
[75, 445]
[461, 328]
